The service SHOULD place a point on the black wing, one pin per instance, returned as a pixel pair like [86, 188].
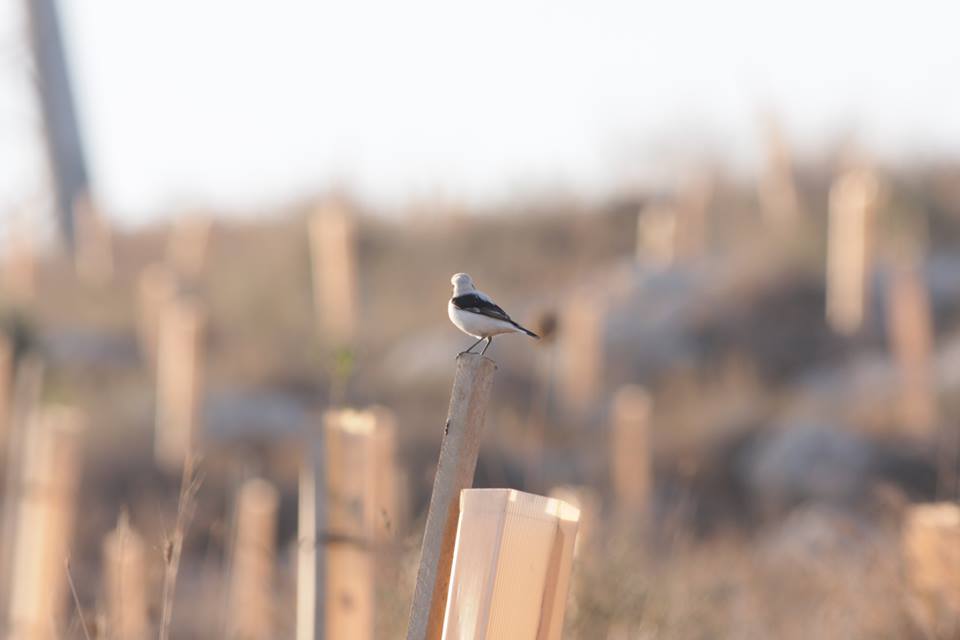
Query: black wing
[475, 304]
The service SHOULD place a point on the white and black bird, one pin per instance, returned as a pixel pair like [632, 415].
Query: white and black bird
[474, 313]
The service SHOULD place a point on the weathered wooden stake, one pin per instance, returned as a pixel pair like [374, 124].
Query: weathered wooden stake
[630, 466]
[125, 582]
[50, 472]
[853, 201]
[334, 273]
[311, 531]
[511, 567]
[157, 288]
[179, 383]
[458, 461]
[254, 555]
[931, 549]
[911, 339]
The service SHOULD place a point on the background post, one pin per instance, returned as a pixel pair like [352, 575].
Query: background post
[458, 461]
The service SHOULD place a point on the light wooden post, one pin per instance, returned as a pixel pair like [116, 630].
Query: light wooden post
[630, 465]
[93, 255]
[853, 201]
[187, 246]
[931, 549]
[690, 236]
[157, 288]
[587, 502]
[311, 532]
[51, 468]
[458, 461]
[351, 495]
[777, 190]
[511, 566]
[388, 512]
[334, 273]
[179, 383]
[656, 235]
[582, 349]
[254, 555]
[125, 582]
[911, 341]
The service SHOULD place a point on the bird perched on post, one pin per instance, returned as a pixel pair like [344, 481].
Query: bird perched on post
[474, 313]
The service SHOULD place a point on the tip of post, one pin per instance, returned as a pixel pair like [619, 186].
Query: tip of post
[475, 358]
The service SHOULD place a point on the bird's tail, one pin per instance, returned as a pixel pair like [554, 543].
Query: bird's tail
[526, 331]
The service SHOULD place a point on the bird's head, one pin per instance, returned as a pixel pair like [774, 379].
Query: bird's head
[462, 283]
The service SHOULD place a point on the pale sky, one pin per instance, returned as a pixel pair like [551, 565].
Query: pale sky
[251, 103]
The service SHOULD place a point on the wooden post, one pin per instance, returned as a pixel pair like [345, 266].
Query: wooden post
[582, 349]
[311, 529]
[587, 502]
[156, 288]
[50, 472]
[187, 246]
[853, 201]
[777, 190]
[910, 334]
[690, 235]
[630, 466]
[511, 566]
[179, 383]
[931, 550]
[656, 235]
[334, 273]
[28, 385]
[388, 512]
[93, 255]
[125, 582]
[254, 555]
[458, 461]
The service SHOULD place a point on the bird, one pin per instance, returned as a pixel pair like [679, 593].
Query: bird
[474, 313]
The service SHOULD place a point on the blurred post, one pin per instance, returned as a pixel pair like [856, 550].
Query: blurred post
[48, 483]
[93, 251]
[582, 349]
[630, 459]
[351, 496]
[388, 512]
[853, 201]
[931, 549]
[254, 555]
[28, 385]
[179, 383]
[777, 190]
[156, 288]
[188, 245]
[911, 340]
[458, 461]
[125, 582]
[656, 235]
[511, 567]
[19, 261]
[587, 502]
[334, 273]
[311, 529]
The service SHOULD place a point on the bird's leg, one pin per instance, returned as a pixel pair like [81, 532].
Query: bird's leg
[470, 348]
[487, 346]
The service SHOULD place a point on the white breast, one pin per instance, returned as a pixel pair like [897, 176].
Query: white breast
[477, 325]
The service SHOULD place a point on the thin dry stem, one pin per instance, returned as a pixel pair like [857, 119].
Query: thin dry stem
[173, 547]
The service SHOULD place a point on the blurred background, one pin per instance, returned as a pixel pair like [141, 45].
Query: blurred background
[228, 227]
